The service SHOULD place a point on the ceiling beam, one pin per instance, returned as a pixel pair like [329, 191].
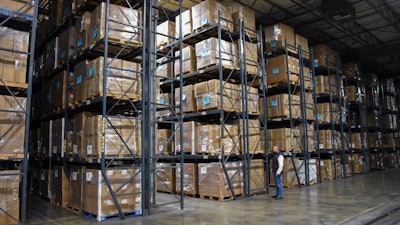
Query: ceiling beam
[386, 12]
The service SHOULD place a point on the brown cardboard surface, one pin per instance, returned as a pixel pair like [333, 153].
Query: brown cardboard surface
[283, 69]
[206, 13]
[80, 74]
[61, 186]
[13, 5]
[12, 208]
[165, 33]
[190, 179]
[189, 137]
[78, 136]
[248, 15]
[57, 136]
[188, 99]
[163, 142]
[165, 178]
[278, 106]
[188, 60]
[207, 53]
[82, 32]
[208, 139]
[186, 23]
[277, 35]
[303, 42]
[323, 55]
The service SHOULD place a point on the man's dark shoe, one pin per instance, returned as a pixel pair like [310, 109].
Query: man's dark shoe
[278, 197]
[275, 196]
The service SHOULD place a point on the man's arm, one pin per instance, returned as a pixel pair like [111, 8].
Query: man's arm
[280, 163]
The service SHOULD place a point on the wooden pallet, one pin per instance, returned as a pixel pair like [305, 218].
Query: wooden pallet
[218, 198]
[12, 84]
[208, 25]
[11, 156]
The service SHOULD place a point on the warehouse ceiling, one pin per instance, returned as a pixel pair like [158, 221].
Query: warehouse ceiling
[366, 32]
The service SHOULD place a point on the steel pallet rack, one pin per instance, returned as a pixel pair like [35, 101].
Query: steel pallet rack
[389, 134]
[298, 118]
[374, 113]
[356, 120]
[23, 19]
[397, 132]
[114, 148]
[333, 123]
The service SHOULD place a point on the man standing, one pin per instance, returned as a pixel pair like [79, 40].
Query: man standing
[277, 169]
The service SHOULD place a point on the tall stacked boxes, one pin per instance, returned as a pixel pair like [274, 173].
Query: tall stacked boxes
[326, 85]
[122, 137]
[251, 54]
[12, 125]
[65, 45]
[310, 137]
[66, 10]
[327, 113]
[165, 102]
[309, 105]
[355, 141]
[163, 142]
[372, 98]
[123, 79]
[257, 176]
[390, 121]
[186, 18]
[61, 186]
[208, 53]
[76, 179]
[82, 33]
[96, 198]
[206, 14]
[389, 140]
[165, 177]
[286, 138]
[188, 61]
[373, 119]
[278, 36]
[13, 66]
[80, 75]
[353, 94]
[351, 70]
[289, 178]
[245, 14]
[303, 42]
[58, 97]
[165, 33]
[323, 56]
[253, 137]
[188, 99]
[374, 140]
[326, 170]
[78, 134]
[279, 106]
[189, 137]
[190, 179]
[208, 97]
[9, 196]
[329, 140]
[123, 24]
[281, 69]
[164, 68]
[356, 163]
[57, 137]
[209, 140]
[214, 183]
[376, 161]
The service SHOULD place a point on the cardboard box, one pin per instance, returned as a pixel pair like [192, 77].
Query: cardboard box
[164, 67]
[165, 33]
[120, 83]
[376, 161]
[188, 99]
[206, 13]
[373, 140]
[82, 33]
[213, 101]
[165, 178]
[323, 56]
[286, 138]
[51, 55]
[257, 177]
[13, 67]
[123, 24]
[351, 70]
[12, 135]
[61, 186]
[56, 11]
[65, 45]
[214, 183]
[186, 23]
[278, 36]
[329, 140]
[122, 137]
[96, 198]
[59, 91]
[80, 75]
[164, 142]
[278, 106]
[303, 42]
[190, 179]
[76, 182]
[189, 137]
[214, 87]
[327, 113]
[356, 163]
[356, 141]
[281, 69]
[248, 15]
[208, 139]
[390, 121]
[208, 53]
[389, 140]
[188, 61]
[45, 146]
[289, 178]
[15, 107]
[78, 135]
[57, 137]
[14, 39]
[251, 55]
[9, 196]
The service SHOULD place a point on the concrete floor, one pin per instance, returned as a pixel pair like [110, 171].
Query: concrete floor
[373, 198]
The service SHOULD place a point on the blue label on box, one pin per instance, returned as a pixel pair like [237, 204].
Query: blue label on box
[91, 71]
[79, 42]
[162, 101]
[204, 21]
[275, 71]
[206, 100]
[319, 116]
[66, 12]
[95, 32]
[204, 53]
[274, 103]
[79, 79]
[315, 63]
[58, 85]
[273, 44]
[62, 54]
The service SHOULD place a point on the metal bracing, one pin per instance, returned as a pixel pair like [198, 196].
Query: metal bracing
[391, 16]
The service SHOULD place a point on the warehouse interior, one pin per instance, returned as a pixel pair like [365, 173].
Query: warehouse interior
[122, 111]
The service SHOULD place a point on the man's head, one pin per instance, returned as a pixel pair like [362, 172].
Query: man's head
[276, 149]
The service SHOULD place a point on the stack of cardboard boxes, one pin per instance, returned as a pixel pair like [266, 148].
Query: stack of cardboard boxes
[9, 196]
